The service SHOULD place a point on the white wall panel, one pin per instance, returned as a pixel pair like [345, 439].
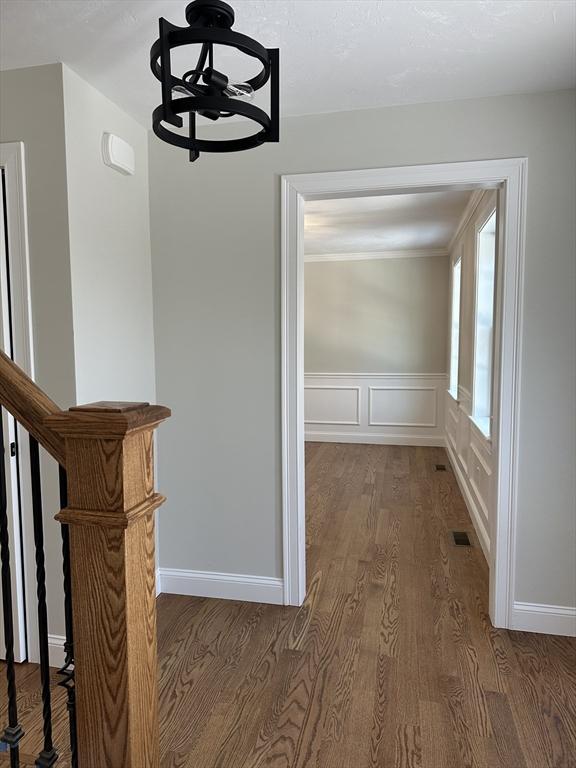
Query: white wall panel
[402, 409]
[452, 421]
[471, 457]
[332, 405]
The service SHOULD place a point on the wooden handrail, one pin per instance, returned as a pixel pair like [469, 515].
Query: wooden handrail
[30, 406]
[107, 450]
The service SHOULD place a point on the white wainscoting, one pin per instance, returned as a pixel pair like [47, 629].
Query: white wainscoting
[471, 457]
[332, 405]
[393, 409]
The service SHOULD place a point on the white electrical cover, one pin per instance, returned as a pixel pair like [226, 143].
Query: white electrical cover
[118, 154]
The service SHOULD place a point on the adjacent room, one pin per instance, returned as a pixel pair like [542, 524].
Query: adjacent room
[400, 325]
[400, 328]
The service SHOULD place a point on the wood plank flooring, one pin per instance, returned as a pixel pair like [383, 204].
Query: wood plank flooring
[391, 662]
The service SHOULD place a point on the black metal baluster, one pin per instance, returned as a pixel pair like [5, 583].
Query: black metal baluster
[48, 756]
[13, 732]
[67, 671]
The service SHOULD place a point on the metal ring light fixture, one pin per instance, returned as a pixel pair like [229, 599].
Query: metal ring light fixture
[205, 91]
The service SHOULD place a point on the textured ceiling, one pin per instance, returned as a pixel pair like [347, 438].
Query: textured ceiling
[335, 54]
[409, 222]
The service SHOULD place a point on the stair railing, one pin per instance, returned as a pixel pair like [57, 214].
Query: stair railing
[105, 453]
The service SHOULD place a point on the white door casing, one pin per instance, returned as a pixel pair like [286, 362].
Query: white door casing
[508, 175]
[19, 343]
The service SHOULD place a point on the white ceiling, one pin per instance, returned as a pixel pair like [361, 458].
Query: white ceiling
[408, 223]
[335, 54]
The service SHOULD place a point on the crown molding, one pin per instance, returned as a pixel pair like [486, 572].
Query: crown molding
[372, 255]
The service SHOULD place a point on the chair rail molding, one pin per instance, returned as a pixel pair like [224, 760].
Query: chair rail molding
[508, 175]
[362, 375]
[376, 255]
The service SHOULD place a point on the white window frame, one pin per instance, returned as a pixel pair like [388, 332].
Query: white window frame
[456, 263]
[480, 224]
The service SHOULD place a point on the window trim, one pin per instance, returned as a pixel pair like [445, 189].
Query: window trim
[453, 391]
[480, 422]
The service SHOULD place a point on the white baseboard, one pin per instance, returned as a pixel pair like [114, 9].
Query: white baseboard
[56, 654]
[226, 586]
[56, 650]
[547, 619]
[475, 515]
[373, 439]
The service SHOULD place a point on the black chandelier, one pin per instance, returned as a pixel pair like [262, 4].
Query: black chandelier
[205, 91]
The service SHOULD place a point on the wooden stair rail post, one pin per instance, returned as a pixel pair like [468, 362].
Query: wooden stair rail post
[110, 513]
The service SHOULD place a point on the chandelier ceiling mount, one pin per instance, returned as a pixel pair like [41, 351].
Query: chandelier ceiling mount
[203, 89]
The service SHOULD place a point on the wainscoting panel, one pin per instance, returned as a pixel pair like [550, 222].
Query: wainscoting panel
[395, 409]
[329, 404]
[402, 407]
[471, 457]
[452, 419]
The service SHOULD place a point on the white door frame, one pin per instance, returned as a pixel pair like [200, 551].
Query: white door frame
[510, 176]
[12, 162]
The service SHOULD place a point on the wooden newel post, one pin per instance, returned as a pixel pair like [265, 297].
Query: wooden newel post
[111, 507]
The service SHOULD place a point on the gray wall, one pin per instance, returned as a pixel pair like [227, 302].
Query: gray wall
[24, 95]
[376, 316]
[90, 264]
[109, 251]
[216, 255]
[32, 111]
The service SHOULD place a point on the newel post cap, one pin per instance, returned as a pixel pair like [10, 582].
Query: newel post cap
[107, 419]
[109, 461]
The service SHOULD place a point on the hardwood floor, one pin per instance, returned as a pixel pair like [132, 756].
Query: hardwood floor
[391, 662]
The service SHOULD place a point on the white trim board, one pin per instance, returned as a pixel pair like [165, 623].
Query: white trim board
[508, 175]
[374, 255]
[56, 652]
[547, 619]
[375, 375]
[224, 586]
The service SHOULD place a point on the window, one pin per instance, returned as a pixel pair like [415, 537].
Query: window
[455, 327]
[484, 324]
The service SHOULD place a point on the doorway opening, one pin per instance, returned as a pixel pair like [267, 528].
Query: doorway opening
[16, 342]
[507, 180]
